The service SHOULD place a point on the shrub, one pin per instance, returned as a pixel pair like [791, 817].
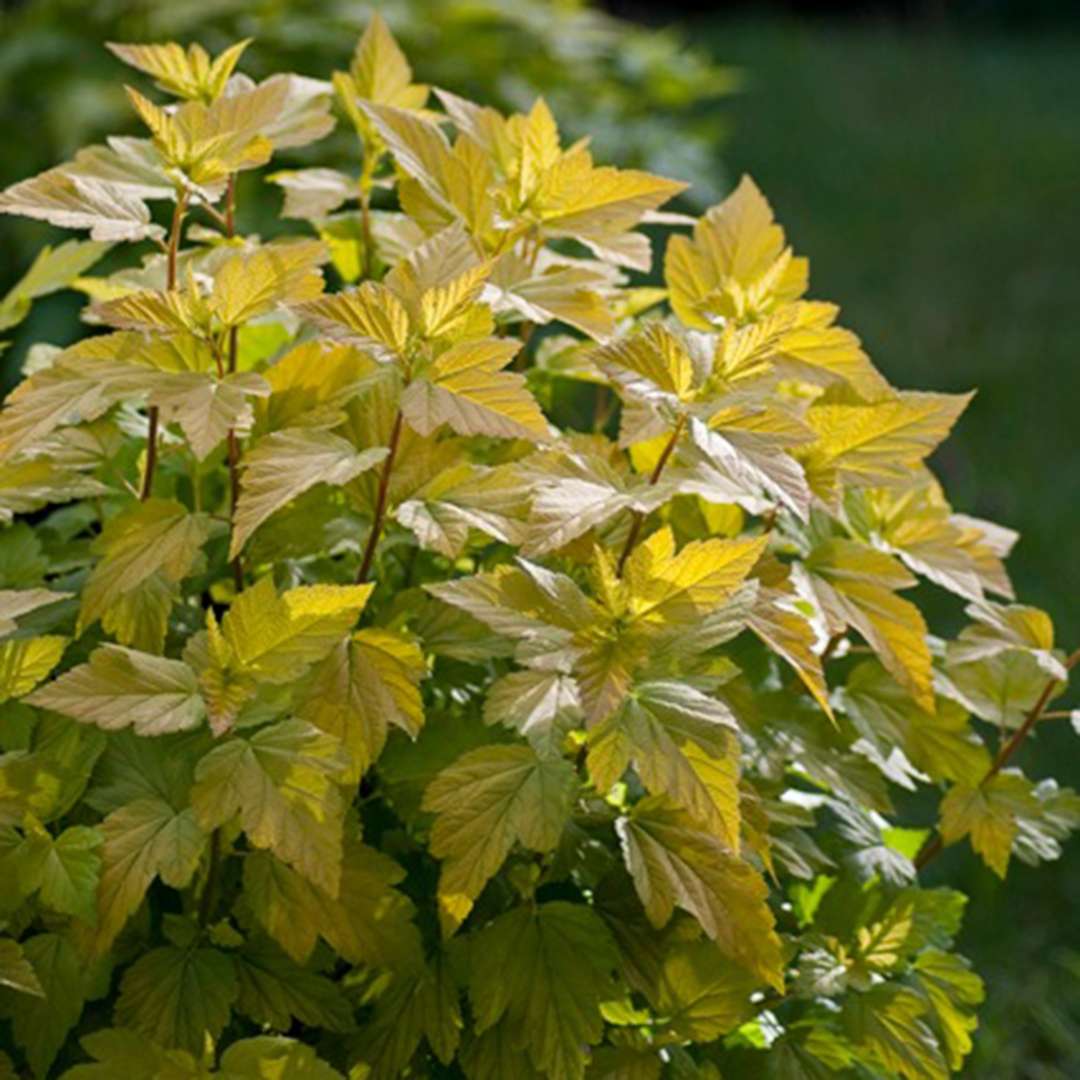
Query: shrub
[479, 670]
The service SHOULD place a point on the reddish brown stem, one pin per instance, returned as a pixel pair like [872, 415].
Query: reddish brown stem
[934, 846]
[380, 502]
[153, 417]
[233, 441]
[639, 517]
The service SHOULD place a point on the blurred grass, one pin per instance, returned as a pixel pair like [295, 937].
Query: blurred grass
[933, 179]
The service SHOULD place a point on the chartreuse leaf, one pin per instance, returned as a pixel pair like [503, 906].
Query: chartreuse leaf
[64, 868]
[119, 687]
[282, 784]
[284, 465]
[888, 1024]
[369, 922]
[17, 602]
[989, 813]
[270, 638]
[681, 743]
[484, 803]
[250, 285]
[158, 536]
[544, 972]
[366, 685]
[144, 839]
[51, 270]
[207, 143]
[24, 662]
[275, 637]
[953, 991]
[16, 971]
[778, 622]
[178, 996]
[270, 1056]
[669, 588]
[701, 993]
[69, 201]
[466, 388]
[674, 863]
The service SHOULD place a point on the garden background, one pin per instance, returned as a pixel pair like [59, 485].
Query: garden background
[926, 156]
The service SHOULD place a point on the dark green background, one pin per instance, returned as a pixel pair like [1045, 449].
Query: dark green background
[931, 171]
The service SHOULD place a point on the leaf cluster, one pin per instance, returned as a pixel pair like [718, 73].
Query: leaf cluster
[366, 714]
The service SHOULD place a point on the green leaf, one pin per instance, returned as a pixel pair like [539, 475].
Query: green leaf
[546, 970]
[484, 803]
[282, 783]
[676, 864]
[41, 1024]
[940, 743]
[178, 997]
[420, 1003]
[121, 1052]
[369, 922]
[273, 990]
[120, 687]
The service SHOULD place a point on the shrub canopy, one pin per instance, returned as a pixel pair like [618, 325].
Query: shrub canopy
[492, 666]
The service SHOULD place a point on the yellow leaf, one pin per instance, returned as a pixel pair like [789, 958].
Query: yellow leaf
[205, 142]
[654, 354]
[672, 588]
[878, 444]
[466, 388]
[249, 285]
[736, 265]
[24, 662]
[191, 74]
[380, 70]
[854, 584]
[371, 316]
